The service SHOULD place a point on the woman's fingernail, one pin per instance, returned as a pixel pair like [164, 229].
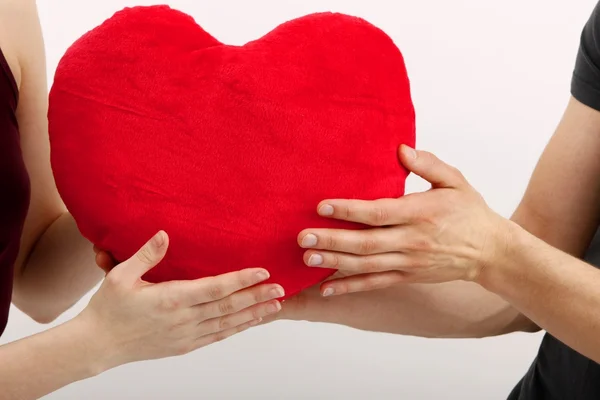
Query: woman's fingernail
[328, 292]
[315, 259]
[262, 275]
[409, 151]
[309, 240]
[276, 292]
[326, 210]
[158, 240]
[273, 308]
[255, 322]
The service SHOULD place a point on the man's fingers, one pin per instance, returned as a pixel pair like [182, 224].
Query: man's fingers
[363, 283]
[353, 264]
[364, 242]
[206, 290]
[380, 212]
[238, 301]
[146, 258]
[432, 169]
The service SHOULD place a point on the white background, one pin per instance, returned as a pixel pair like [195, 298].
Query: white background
[490, 80]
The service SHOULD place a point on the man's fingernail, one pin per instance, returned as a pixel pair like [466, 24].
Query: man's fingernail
[326, 210]
[409, 152]
[309, 240]
[315, 259]
[328, 292]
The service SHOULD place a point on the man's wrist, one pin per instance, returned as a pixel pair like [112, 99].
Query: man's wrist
[509, 260]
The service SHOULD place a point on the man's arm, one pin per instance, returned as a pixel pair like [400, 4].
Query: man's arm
[55, 267]
[561, 206]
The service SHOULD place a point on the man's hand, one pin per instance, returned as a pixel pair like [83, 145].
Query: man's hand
[444, 234]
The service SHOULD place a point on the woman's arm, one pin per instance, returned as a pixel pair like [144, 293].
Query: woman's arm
[55, 266]
[561, 207]
[38, 365]
[129, 320]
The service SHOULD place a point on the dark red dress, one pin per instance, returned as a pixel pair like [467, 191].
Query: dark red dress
[14, 187]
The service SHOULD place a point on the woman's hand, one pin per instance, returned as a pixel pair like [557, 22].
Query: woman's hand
[446, 233]
[136, 320]
[104, 260]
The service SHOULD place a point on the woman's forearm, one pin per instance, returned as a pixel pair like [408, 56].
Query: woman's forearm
[33, 367]
[59, 270]
[557, 291]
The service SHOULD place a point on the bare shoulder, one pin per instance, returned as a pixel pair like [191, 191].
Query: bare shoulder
[19, 32]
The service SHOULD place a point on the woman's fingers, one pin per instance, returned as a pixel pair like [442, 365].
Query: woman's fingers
[205, 340]
[353, 264]
[363, 283]
[104, 261]
[253, 313]
[207, 290]
[239, 301]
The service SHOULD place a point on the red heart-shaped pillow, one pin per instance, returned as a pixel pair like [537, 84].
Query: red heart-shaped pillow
[155, 124]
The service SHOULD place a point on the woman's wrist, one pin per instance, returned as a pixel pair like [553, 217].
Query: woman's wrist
[90, 352]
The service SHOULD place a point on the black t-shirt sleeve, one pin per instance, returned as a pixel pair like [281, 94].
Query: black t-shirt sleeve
[585, 82]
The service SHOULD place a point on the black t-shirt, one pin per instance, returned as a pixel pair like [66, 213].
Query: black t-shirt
[558, 372]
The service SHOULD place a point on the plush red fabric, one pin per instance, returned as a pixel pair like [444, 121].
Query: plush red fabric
[155, 124]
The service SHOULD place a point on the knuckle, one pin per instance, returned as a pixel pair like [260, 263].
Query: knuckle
[224, 323]
[420, 263]
[259, 295]
[226, 307]
[335, 261]
[346, 212]
[457, 174]
[367, 246]
[170, 303]
[244, 280]
[422, 245]
[331, 242]
[215, 291]
[220, 336]
[378, 216]
[145, 255]
[113, 279]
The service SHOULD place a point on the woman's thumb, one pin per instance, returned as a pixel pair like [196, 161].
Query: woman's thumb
[146, 258]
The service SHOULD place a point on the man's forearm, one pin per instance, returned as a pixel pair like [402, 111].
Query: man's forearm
[33, 367]
[58, 272]
[557, 291]
[449, 310]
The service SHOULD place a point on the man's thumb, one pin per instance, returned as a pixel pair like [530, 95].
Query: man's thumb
[430, 168]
